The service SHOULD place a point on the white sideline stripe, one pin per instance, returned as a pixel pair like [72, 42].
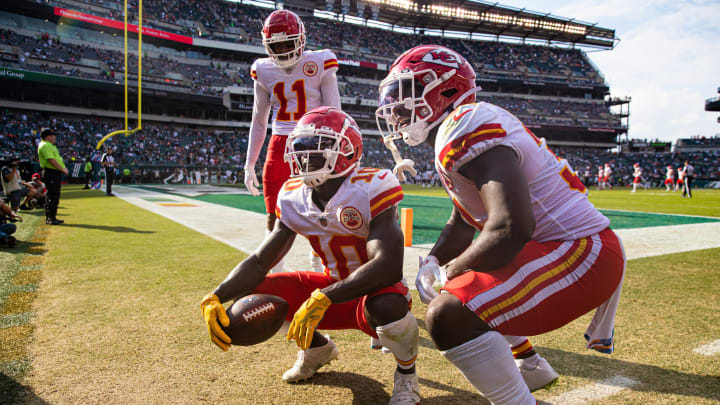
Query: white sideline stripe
[244, 230]
[709, 349]
[593, 392]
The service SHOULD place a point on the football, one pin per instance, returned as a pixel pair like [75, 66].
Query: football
[255, 318]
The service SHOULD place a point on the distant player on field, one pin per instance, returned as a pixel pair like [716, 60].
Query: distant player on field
[601, 177]
[681, 178]
[349, 215]
[544, 255]
[637, 176]
[607, 176]
[670, 179]
[291, 82]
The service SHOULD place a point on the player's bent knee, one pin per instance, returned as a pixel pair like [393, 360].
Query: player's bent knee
[385, 308]
[450, 323]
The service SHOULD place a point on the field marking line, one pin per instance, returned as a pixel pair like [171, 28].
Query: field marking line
[659, 213]
[241, 229]
[708, 349]
[592, 392]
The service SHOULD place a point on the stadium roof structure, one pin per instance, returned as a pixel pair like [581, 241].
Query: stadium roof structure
[473, 17]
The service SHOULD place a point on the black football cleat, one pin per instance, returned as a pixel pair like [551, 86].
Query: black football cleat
[54, 221]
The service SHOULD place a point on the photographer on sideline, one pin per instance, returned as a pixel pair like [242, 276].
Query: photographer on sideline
[7, 229]
[11, 183]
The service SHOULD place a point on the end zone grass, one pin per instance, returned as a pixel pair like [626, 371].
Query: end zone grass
[118, 321]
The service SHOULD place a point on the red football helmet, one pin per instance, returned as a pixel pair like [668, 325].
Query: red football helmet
[326, 143]
[424, 85]
[283, 36]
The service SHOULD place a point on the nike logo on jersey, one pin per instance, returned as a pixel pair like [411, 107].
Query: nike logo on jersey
[382, 177]
[457, 117]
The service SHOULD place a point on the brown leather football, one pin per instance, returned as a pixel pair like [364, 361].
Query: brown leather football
[255, 318]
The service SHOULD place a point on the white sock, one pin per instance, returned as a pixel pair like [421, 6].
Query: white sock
[523, 345]
[401, 338]
[515, 340]
[487, 363]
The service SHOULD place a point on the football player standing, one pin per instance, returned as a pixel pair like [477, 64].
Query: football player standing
[290, 81]
[349, 216]
[544, 255]
[637, 175]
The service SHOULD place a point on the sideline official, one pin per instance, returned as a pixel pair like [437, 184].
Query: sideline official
[53, 169]
[689, 171]
[88, 172]
[108, 162]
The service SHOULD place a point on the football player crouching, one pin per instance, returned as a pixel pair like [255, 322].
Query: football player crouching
[40, 194]
[543, 255]
[349, 216]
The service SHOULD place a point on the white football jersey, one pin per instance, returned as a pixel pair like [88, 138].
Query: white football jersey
[559, 199]
[670, 174]
[608, 171]
[637, 172]
[339, 233]
[294, 93]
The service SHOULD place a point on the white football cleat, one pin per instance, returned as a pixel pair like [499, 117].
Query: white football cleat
[406, 390]
[310, 360]
[541, 375]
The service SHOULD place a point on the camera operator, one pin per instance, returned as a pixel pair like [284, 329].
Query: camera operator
[40, 192]
[53, 169]
[11, 183]
[7, 229]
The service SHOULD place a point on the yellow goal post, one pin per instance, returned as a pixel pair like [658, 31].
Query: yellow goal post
[127, 131]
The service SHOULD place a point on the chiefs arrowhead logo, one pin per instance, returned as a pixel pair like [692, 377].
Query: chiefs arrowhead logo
[310, 68]
[351, 218]
[444, 57]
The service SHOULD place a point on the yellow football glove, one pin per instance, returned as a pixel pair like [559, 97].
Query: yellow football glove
[213, 311]
[307, 318]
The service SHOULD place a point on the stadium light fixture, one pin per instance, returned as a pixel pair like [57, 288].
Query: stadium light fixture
[491, 17]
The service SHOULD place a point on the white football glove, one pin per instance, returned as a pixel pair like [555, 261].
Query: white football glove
[251, 181]
[428, 273]
[405, 165]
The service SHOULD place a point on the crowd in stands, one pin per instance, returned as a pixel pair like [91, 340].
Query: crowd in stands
[363, 43]
[211, 77]
[700, 141]
[164, 148]
[57, 57]
[157, 145]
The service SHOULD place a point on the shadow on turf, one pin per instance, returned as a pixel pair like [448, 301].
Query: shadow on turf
[14, 393]
[366, 390]
[120, 229]
[23, 246]
[653, 379]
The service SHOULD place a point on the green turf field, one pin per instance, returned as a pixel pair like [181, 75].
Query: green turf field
[105, 309]
[432, 208]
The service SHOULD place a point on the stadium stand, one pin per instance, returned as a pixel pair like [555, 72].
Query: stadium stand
[67, 73]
